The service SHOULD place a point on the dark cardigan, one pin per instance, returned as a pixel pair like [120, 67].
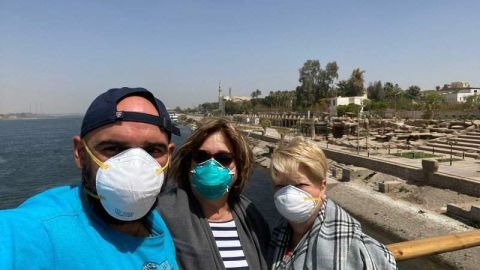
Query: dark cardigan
[194, 242]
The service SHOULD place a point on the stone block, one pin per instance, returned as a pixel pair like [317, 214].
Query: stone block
[429, 166]
[336, 172]
[475, 213]
[346, 175]
[388, 186]
[464, 212]
[354, 173]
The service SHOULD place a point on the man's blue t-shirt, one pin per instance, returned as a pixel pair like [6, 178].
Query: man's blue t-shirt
[52, 230]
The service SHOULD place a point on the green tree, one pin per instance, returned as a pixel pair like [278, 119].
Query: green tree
[344, 88]
[376, 91]
[376, 107]
[328, 77]
[352, 109]
[473, 103]
[413, 92]
[353, 86]
[315, 83]
[430, 102]
[255, 94]
[232, 107]
[357, 82]
[209, 107]
[280, 100]
[320, 106]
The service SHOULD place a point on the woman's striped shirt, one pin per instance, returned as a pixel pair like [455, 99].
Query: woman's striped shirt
[229, 245]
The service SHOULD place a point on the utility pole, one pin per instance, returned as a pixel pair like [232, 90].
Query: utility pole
[358, 134]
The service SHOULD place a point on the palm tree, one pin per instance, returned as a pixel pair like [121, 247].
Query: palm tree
[357, 81]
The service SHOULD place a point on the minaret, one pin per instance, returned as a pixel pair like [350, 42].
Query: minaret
[230, 93]
[221, 102]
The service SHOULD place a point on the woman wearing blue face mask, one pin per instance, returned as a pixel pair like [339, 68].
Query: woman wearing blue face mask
[213, 225]
[315, 232]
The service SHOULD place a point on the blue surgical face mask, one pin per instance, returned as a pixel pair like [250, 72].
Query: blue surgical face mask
[211, 180]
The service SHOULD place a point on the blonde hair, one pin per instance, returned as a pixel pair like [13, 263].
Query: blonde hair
[297, 155]
[243, 156]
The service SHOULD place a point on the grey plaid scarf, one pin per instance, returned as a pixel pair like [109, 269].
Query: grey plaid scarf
[335, 241]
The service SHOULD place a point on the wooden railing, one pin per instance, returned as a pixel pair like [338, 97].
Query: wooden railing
[434, 245]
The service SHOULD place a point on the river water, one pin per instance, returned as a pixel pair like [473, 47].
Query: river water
[38, 154]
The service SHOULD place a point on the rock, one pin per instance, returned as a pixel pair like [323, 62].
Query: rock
[259, 151]
[429, 166]
[470, 128]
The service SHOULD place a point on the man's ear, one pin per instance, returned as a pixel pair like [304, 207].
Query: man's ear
[171, 149]
[78, 151]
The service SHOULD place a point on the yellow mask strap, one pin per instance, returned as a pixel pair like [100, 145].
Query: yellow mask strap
[96, 196]
[94, 158]
[312, 199]
[158, 171]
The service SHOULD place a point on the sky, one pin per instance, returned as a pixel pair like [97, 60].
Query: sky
[57, 56]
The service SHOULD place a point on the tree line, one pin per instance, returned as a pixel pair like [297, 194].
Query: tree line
[317, 84]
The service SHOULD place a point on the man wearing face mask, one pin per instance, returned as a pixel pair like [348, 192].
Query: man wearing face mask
[107, 221]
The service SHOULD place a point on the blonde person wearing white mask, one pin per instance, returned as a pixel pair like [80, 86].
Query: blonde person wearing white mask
[315, 233]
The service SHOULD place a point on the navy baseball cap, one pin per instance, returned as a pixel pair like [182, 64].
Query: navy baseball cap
[103, 111]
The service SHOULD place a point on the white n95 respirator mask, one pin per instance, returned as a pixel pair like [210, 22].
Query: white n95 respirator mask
[295, 204]
[128, 183]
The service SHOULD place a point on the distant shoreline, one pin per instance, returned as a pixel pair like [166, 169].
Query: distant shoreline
[13, 117]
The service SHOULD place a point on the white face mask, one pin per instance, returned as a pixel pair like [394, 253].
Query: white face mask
[295, 204]
[128, 183]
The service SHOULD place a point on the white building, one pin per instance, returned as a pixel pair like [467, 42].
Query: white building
[237, 98]
[336, 101]
[459, 95]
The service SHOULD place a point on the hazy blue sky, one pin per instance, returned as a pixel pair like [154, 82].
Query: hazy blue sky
[56, 56]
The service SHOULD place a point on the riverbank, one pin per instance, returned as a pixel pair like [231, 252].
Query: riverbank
[415, 212]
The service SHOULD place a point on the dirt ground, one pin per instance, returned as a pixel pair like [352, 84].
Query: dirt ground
[426, 197]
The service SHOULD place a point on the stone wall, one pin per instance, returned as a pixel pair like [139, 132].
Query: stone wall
[409, 173]
[260, 137]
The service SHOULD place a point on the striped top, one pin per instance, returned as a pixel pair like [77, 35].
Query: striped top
[229, 245]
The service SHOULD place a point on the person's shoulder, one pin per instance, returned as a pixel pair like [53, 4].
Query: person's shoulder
[376, 252]
[244, 200]
[28, 230]
[172, 201]
[172, 194]
[361, 242]
[336, 212]
[48, 204]
[247, 205]
[250, 210]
